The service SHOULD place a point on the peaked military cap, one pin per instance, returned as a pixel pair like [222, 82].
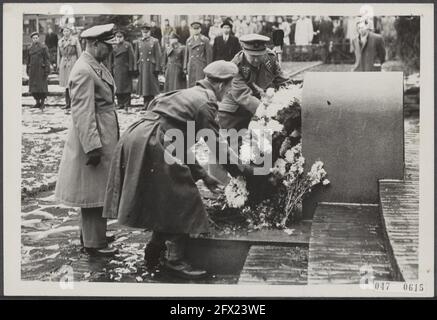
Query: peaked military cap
[103, 32]
[34, 34]
[146, 26]
[221, 69]
[195, 24]
[254, 44]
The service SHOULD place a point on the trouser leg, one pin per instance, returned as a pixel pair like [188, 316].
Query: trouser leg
[67, 99]
[36, 96]
[93, 228]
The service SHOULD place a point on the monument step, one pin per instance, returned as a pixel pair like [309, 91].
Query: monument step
[283, 265]
[346, 243]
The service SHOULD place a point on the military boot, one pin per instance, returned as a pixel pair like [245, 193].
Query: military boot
[175, 264]
[153, 254]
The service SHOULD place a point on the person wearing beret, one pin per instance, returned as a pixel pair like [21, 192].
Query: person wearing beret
[173, 64]
[150, 188]
[198, 54]
[92, 136]
[148, 58]
[69, 50]
[258, 69]
[38, 69]
[122, 65]
[226, 46]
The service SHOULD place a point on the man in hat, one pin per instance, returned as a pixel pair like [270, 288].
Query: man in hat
[38, 69]
[69, 50]
[258, 69]
[150, 188]
[173, 65]
[198, 54]
[91, 140]
[148, 58]
[225, 46]
[122, 64]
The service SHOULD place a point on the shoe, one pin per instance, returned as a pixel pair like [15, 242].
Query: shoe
[109, 239]
[103, 252]
[153, 254]
[183, 270]
[37, 105]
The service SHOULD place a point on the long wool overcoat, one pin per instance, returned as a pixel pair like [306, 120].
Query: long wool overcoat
[121, 64]
[144, 189]
[93, 125]
[173, 64]
[198, 54]
[69, 50]
[148, 58]
[38, 67]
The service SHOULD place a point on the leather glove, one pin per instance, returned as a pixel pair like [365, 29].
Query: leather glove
[94, 157]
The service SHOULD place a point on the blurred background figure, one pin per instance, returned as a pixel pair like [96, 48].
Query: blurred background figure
[38, 69]
[215, 30]
[326, 35]
[155, 31]
[226, 46]
[278, 41]
[166, 32]
[304, 31]
[148, 57]
[51, 41]
[69, 50]
[183, 31]
[205, 27]
[122, 65]
[284, 26]
[173, 65]
[198, 54]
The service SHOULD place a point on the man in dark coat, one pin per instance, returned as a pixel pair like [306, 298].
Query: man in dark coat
[173, 65]
[198, 54]
[92, 136]
[183, 31]
[258, 69]
[150, 187]
[51, 42]
[122, 64]
[38, 69]
[226, 46]
[326, 28]
[155, 31]
[368, 48]
[148, 58]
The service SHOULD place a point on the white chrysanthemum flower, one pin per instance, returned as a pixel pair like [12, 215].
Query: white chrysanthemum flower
[289, 156]
[274, 126]
[264, 145]
[326, 182]
[246, 153]
[280, 167]
[261, 110]
[236, 192]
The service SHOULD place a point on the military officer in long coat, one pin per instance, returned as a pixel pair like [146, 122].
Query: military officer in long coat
[92, 136]
[173, 65]
[148, 58]
[198, 54]
[258, 69]
[69, 50]
[38, 69]
[148, 187]
[122, 64]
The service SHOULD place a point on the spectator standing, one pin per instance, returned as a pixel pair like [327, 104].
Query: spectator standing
[38, 69]
[166, 32]
[368, 47]
[198, 54]
[183, 31]
[69, 50]
[205, 27]
[51, 41]
[225, 46]
[326, 28]
[304, 31]
[285, 26]
[155, 31]
[122, 65]
[148, 57]
[173, 64]
[278, 41]
[215, 30]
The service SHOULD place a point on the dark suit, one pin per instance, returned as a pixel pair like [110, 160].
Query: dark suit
[368, 52]
[222, 50]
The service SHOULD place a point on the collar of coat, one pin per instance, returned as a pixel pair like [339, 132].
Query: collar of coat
[245, 68]
[65, 42]
[36, 46]
[200, 39]
[210, 91]
[99, 68]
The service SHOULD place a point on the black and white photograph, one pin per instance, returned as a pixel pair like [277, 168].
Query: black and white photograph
[219, 152]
